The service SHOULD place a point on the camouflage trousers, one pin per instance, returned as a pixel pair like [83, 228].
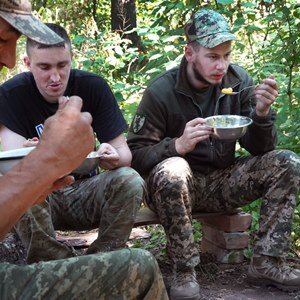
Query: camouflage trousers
[123, 274]
[108, 201]
[175, 191]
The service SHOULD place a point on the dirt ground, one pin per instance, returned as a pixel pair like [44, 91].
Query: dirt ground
[217, 281]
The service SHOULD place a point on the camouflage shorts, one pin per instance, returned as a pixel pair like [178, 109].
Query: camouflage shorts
[175, 190]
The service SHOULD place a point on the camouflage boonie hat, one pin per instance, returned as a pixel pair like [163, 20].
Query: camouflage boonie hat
[208, 28]
[18, 14]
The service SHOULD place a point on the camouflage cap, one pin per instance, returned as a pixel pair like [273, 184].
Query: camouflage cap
[18, 14]
[208, 28]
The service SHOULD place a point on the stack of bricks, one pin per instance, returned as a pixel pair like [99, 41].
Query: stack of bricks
[225, 236]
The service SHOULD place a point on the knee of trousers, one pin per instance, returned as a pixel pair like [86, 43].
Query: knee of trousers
[131, 179]
[172, 169]
[129, 183]
[147, 264]
[289, 161]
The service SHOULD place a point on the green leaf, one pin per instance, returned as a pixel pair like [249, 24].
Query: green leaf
[225, 2]
[119, 96]
[153, 37]
[119, 50]
[155, 56]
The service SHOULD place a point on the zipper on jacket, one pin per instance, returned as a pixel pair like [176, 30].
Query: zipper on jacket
[220, 97]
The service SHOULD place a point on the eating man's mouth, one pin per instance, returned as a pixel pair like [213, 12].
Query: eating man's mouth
[55, 86]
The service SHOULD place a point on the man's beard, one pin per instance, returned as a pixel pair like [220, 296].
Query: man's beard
[199, 77]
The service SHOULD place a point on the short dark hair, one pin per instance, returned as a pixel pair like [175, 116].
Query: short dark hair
[59, 31]
[194, 45]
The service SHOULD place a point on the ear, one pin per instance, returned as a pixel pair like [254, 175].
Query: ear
[189, 52]
[26, 62]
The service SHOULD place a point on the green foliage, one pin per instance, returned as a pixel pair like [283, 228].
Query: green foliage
[197, 231]
[296, 226]
[157, 241]
[254, 209]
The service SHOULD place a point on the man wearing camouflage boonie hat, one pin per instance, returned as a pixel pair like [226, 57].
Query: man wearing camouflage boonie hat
[123, 274]
[186, 169]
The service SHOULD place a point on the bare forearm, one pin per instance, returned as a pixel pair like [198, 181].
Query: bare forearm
[125, 158]
[66, 140]
[22, 187]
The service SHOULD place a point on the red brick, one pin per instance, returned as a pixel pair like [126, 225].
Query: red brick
[228, 223]
[223, 256]
[226, 240]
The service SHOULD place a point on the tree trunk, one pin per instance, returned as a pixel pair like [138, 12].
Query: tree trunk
[123, 18]
[94, 10]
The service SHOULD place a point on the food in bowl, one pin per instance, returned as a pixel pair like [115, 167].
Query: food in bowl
[228, 127]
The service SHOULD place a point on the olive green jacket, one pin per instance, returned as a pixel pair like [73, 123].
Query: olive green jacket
[169, 103]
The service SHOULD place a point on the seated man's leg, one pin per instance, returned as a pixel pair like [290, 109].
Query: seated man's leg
[37, 234]
[276, 216]
[108, 201]
[123, 274]
[169, 185]
[275, 178]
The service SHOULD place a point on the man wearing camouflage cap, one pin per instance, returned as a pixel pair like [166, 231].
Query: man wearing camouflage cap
[18, 15]
[186, 169]
[67, 139]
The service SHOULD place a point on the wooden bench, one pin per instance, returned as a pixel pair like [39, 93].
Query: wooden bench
[224, 234]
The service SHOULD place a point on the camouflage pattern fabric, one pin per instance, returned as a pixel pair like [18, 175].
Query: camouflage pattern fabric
[208, 28]
[108, 201]
[18, 14]
[174, 191]
[122, 274]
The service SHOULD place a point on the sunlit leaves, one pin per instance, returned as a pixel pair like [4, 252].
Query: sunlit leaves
[225, 2]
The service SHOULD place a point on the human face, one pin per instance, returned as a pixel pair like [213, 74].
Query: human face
[207, 66]
[50, 68]
[8, 42]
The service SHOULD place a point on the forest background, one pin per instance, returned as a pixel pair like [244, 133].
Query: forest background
[130, 42]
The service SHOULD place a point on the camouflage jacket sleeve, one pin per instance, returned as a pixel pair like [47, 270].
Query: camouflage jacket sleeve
[261, 136]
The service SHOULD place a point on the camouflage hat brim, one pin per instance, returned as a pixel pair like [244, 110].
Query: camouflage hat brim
[31, 27]
[214, 40]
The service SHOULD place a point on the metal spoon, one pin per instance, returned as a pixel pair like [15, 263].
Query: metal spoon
[235, 93]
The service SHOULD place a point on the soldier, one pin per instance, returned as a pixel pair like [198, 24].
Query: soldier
[67, 139]
[187, 170]
[109, 200]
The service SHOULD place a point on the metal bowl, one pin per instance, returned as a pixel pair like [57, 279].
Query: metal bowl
[88, 165]
[8, 159]
[228, 127]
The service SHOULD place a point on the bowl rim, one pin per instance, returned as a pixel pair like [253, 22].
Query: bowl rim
[250, 121]
[14, 154]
